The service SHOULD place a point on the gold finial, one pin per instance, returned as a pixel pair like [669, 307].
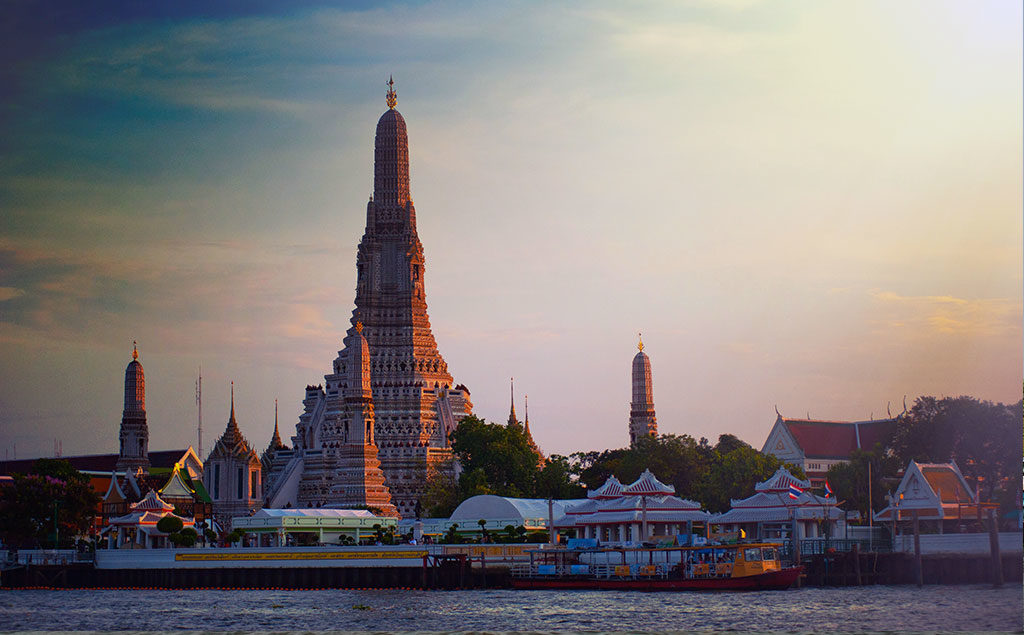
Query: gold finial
[359, 328]
[392, 95]
[640, 344]
[135, 350]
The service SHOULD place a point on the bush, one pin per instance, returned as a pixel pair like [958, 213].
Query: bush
[169, 524]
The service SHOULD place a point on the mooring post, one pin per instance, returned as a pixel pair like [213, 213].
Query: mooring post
[856, 562]
[918, 569]
[993, 540]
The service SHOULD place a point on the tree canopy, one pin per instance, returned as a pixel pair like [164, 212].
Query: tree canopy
[982, 437]
[496, 459]
[711, 475]
[28, 506]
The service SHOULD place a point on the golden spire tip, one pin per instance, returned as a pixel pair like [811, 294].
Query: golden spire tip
[392, 98]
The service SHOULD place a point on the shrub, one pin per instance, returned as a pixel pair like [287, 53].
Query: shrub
[169, 524]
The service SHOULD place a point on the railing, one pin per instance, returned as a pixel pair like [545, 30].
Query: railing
[819, 546]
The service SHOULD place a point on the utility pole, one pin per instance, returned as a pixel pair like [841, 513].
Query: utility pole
[199, 402]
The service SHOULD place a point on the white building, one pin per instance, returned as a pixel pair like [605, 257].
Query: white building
[771, 512]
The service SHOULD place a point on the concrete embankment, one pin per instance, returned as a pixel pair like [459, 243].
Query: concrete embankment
[852, 569]
[88, 577]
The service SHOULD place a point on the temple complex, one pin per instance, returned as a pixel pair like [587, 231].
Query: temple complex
[134, 452]
[415, 403]
[642, 421]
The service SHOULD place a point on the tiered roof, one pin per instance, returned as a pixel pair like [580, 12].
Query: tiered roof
[935, 491]
[771, 503]
[613, 504]
[648, 485]
[232, 443]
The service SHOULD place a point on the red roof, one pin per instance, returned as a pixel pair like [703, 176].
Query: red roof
[94, 462]
[837, 439]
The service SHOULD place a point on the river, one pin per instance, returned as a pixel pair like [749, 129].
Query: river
[878, 608]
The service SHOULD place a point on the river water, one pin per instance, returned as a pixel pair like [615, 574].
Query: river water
[877, 608]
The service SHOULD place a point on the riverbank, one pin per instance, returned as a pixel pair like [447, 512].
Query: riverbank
[459, 572]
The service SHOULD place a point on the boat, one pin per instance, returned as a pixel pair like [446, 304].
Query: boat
[738, 567]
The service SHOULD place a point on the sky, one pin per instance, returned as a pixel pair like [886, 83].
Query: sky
[809, 206]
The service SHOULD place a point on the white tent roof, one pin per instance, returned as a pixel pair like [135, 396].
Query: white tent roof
[489, 507]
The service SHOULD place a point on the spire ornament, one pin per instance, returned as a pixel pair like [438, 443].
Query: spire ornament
[640, 341]
[135, 350]
[392, 98]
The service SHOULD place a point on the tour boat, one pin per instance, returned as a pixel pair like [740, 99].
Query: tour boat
[740, 567]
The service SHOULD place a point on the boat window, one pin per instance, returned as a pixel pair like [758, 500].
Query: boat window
[752, 555]
[769, 554]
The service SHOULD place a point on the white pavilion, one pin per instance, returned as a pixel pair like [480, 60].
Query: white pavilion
[137, 529]
[771, 511]
[645, 510]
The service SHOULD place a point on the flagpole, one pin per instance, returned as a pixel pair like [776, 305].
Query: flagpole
[871, 522]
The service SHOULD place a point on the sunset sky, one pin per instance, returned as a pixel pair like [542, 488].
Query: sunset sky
[809, 205]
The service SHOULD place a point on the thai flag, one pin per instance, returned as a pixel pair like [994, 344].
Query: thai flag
[828, 490]
[795, 492]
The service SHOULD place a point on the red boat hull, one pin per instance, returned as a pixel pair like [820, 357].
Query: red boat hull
[773, 580]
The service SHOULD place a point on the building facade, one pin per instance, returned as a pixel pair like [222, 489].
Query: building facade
[416, 403]
[642, 421]
[233, 474]
[816, 445]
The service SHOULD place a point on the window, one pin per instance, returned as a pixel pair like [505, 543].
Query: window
[241, 483]
[254, 485]
[752, 555]
[216, 481]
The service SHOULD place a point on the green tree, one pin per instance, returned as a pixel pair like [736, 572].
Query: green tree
[53, 491]
[556, 480]
[849, 481]
[980, 436]
[711, 475]
[496, 459]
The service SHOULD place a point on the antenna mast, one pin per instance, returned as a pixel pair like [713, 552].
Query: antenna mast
[199, 402]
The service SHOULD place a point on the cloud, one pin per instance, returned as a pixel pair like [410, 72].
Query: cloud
[945, 315]
[9, 293]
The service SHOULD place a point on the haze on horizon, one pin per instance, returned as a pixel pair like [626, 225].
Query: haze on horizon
[814, 206]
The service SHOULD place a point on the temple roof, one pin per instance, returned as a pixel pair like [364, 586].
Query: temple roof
[232, 443]
[103, 463]
[780, 482]
[612, 488]
[837, 439]
[152, 502]
[648, 485]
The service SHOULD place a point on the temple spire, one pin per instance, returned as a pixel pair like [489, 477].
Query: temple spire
[392, 97]
[232, 419]
[512, 407]
[640, 341]
[277, 435]
[135, 350]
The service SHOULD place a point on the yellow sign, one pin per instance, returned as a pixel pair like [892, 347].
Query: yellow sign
[300, 555]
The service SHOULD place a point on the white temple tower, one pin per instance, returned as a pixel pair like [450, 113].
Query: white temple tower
[134, 452]
[642, 421]
[415, 401]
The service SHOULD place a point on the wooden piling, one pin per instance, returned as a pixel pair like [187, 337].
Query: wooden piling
[918, 568]
[856, 563]
[993, 540]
